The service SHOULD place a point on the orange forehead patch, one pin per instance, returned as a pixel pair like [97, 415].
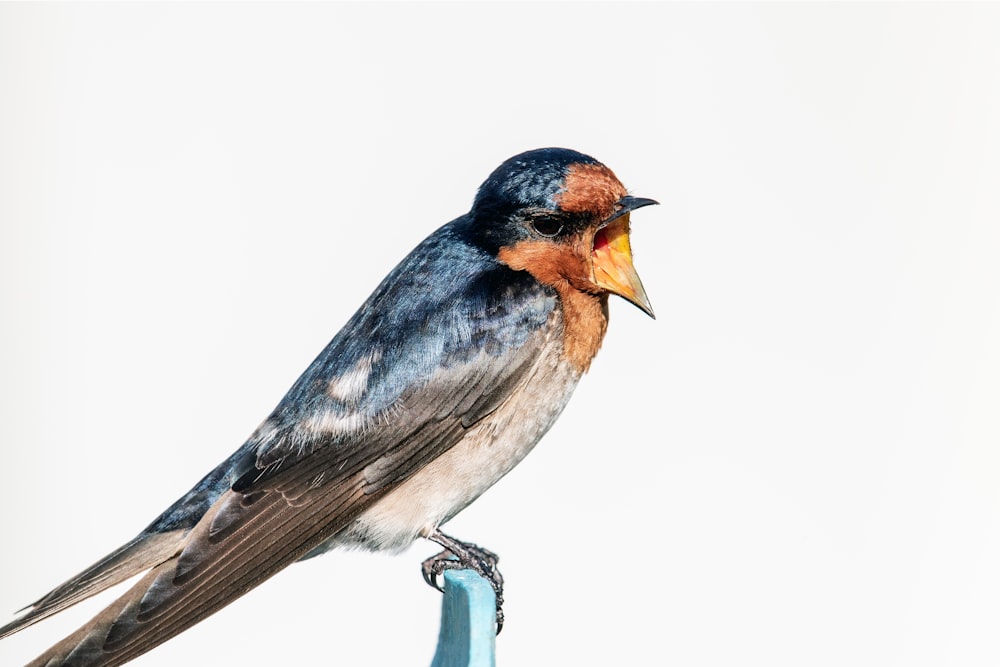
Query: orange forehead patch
[590, 188]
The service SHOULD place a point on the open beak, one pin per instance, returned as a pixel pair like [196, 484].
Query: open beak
[612, 256]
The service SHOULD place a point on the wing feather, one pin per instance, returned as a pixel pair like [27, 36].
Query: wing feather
[419, 364]
[275, 516]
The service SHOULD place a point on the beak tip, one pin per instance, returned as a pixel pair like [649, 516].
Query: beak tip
[631, 203]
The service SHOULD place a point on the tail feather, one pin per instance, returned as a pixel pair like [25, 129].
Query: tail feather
[216, 564]
[145, 551]
[86, 645]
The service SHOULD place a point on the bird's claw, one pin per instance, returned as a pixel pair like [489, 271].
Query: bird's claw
[435, 565]
[465, 556]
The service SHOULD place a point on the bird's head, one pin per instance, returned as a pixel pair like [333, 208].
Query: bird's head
[563, 217]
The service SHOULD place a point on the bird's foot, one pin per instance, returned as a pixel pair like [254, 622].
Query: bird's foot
[465, 556]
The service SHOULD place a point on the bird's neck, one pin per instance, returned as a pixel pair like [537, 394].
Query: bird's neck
[584, 304]
[585, 321]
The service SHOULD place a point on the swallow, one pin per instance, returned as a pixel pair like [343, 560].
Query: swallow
[444, 379]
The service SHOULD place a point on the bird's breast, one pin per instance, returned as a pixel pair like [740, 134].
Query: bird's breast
[488, 451]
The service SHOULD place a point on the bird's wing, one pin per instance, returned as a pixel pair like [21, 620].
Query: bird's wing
[275, 516]
[333, 447]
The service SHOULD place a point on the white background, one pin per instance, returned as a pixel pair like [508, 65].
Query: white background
[795, 463]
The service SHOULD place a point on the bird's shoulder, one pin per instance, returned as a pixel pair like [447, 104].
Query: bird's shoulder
[448, 315]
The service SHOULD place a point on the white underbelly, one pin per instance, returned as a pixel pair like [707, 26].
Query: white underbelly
[490, 449]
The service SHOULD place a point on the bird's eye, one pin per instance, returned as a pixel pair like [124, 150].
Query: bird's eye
[546, 225]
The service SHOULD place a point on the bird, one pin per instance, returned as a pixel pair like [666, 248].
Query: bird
[443, 380]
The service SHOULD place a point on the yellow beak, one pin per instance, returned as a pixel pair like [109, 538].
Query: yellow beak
[613, 269]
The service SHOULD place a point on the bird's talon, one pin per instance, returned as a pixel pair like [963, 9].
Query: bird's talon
[462, 555]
